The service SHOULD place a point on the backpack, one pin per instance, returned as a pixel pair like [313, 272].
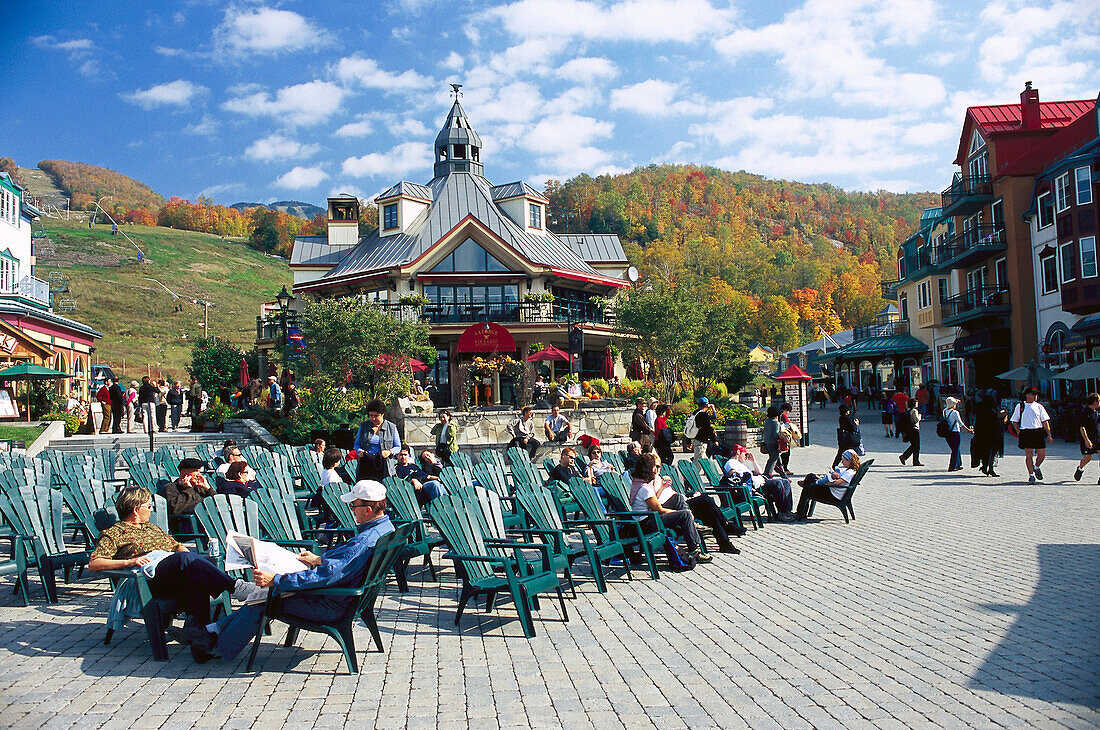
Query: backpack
[942, 429]
[691, 427]
[677, 560]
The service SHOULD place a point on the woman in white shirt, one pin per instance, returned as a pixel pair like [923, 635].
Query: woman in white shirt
[646, 492]
[830, 487]
[955, 427]
[1032, 422]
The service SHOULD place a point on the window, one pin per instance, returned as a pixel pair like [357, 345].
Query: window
[945, 289]
[1049, 265]
[949, 366]
[536, 215]
[924, 294]
[9, 270]
[1061, 193]
[975, 279]
[1084, 185]
[997, 215]
[460, 151]
[389, 216]
[1045, 210]
[976, 143]
[1069, 263]
[901, 267]
[470, 256]
[1088, 256]
[904, 302]
[979, 166]
[1000, 266]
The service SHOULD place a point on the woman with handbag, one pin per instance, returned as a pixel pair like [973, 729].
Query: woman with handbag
[446, 437]
[771, 438]
[376, 444]
[955, 427]
[664, 436]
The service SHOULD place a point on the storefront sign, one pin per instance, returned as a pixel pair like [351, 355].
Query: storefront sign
[486, 337]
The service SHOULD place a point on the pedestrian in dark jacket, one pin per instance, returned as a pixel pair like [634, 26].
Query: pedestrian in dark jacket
[771, 444]
[847, 433]
[175, 403]
[118, 406]
[989, 435]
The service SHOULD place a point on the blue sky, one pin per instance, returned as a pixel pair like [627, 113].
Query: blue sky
[249, 101]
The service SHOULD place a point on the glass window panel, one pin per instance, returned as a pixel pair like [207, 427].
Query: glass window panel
[1084, 185]
[431, 293]
[1088, 256]
[1050, 275]
[511, 293]
[1069, 263]
[469, 257]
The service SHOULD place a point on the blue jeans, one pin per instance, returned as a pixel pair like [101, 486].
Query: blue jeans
[433, 488]
[954, 438]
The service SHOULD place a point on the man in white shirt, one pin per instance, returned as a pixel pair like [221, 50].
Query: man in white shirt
[234, 455]
[1032, 424]
[557, 427]
[651, 421]
[522, 430]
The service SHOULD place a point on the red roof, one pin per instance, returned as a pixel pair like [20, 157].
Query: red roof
[1056, 147]
[794, 373]
[1003, 119]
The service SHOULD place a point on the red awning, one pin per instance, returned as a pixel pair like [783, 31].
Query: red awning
[550, 353]
[486, 337]
[794, 373]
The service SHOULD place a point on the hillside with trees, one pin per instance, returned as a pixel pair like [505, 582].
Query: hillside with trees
[86, 184]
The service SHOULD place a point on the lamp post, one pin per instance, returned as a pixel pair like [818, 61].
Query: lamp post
[284, 298]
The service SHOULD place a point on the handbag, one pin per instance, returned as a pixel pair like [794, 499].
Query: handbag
[676, 559]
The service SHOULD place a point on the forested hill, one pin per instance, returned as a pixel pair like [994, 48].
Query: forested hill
[87, 183]
[821, 249]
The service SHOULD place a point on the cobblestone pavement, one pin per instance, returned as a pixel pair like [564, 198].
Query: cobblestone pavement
[952, 601]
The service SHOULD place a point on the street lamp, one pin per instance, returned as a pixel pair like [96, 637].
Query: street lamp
[284, 298]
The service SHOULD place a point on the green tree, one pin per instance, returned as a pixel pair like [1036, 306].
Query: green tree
[214, 362]
[719, 351]
[778, 323]
[658, 323]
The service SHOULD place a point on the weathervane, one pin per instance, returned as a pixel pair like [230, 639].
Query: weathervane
[455, 89]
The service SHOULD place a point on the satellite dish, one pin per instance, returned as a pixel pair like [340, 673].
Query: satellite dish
[632, 273]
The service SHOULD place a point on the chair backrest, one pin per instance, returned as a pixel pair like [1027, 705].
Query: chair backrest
[331, 494]
[617, 490]
[310, 469]
[516, 455]
[257, 456]
[581, 461]
[35, 513]
[492, 456]
[284, 451]
[712, 470]
[84, 498]
[104, 461]
[525, 472]
[667, 470]
[857, 478]
[401, 496]
[456, 480]
[224, 512]
[451, 514]
[540, 506]
[485, 508]
[278, 514]
[18, 477]
[491, 476]
[274, 478]
[56, 459]
[692, 481]
[386, 552]
[589, 502]
[615, 460]
[133, 455]
[461, 460]
[206, 453]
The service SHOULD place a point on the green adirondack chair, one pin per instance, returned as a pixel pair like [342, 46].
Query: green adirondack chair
[257, 456]
[34, 513]
[732, 502]
[345, 521]
[517, 455]
[492, 456]
[402, 499]
[627, 532]
[714, 470]
[615, 460]
[309, 470]
[456, 480]
[365, 596]
[206, 453]
[223, 512]
[280, 521]
[84, 499]
[461, 460]
[492, 477]
[844, 504]
[17, 564]
[542, 510]
[525, 472]
[650, 534]
[486, 574]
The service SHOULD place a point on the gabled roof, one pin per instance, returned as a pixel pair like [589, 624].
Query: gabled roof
[409, 190]
[596, 247]
[842, 339]
[454, 197]
[877, 346]
[25, 310]
[315, 251]
[1001, 119]
[515, 190]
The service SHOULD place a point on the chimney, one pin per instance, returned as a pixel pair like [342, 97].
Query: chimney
[1029, 107]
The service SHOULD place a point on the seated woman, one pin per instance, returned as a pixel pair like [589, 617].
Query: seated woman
[673, 512]
[831, 486]
[237, 480]
[742, 468]
[187, 577]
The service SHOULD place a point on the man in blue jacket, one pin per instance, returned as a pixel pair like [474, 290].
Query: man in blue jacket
[341, 567]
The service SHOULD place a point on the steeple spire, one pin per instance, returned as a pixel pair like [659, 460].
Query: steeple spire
[457, 146]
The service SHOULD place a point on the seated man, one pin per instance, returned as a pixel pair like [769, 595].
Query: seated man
[742, 468]
[427, 486]
[633, 451]
[188, 489]
[341, 567]
[566, 469]
[232, 456]
[522, 430]
[557, 427]
[430, 463]
[830, 487]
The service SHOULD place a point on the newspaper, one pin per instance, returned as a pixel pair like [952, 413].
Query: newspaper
[243, 552]
[154, 556]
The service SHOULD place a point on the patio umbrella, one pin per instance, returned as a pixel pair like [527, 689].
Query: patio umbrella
[244, 373]
[30, 371]
[551, 353]
[608, 364]
[1027, 373]
[1084, 371]
[390, 362]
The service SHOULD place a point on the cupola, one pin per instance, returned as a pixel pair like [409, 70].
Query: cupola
[343, 220]
[457, 146]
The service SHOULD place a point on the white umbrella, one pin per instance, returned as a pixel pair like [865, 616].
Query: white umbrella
[1026, 373]
[1084, 371]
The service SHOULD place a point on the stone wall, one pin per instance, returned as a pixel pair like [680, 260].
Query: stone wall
[489, 428]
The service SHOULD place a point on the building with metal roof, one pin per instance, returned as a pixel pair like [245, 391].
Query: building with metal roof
[458, 252]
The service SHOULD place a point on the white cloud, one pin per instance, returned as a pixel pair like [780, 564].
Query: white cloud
[587, 69]
[77, 45]
[401, 160]
[172, 93]
[566, 134]
[628, 20]
[653, 98]
[266, 31]
[366, 73]
[301, 178]
[214, 190]
[515, 102]
[207, 126]
[277, 147]
[355, 129]
[81, 53]
[453, 61]
[302, 104]
[575, 99]
[408, 127]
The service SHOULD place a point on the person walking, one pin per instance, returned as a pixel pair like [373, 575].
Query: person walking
[162, 406]
[147, 403]
[770, 438]
[912, 432]
[103, 396]
[789, 436]
[847, 433]
[1032, 424]
[887, 412]
[1088, 433]
[118, 404]
[174, 398]
[989, 434]
[663, 435]
[955, 427]
[194, 398]
[703, 432]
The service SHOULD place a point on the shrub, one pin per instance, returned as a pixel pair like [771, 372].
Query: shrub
[630, 388]
[72, 423]
[215, 414]
[600, 386]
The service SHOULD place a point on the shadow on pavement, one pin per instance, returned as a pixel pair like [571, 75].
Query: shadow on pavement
[1052, 652]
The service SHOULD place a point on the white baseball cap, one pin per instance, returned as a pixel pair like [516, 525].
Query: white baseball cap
[367, 490]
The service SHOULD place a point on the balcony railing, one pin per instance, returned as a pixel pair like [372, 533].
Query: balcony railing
[883, 329]
[466, 313]
[986, 301]
[29, 288]
[966, 195]
[971, 246]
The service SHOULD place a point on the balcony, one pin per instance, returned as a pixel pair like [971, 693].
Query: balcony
[983, 303]
[1081, 296]
[967, 195]
[466, 313]
[890, 289]
[29, 288]
[971, 246]
[883, 329]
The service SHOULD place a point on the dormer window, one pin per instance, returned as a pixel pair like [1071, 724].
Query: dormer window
[536, 215]
[389, 216]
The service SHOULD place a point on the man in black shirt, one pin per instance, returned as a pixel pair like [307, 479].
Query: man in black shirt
[147, 402]
[704, 435]
[1088, 433]
[566, 469]
[117, 395]
[427, 486]
[639, 428]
